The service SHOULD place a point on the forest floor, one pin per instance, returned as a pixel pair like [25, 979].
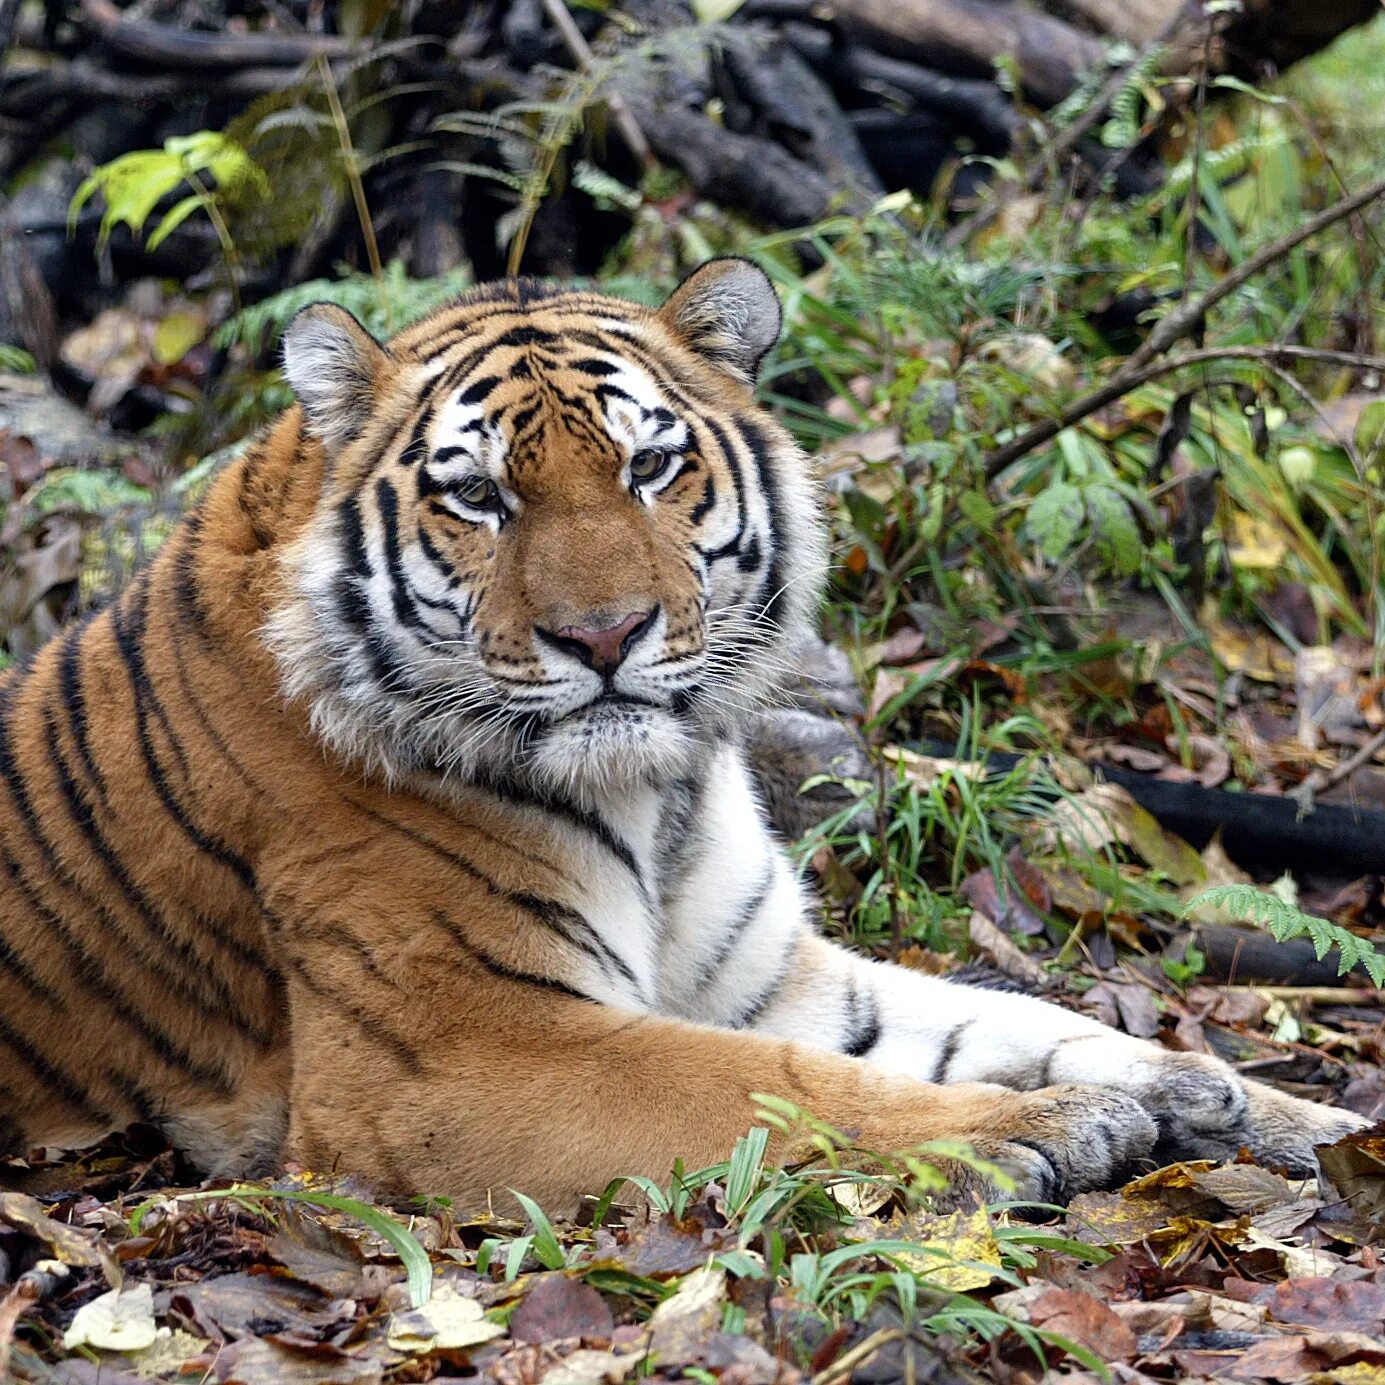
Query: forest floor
[1121, 737]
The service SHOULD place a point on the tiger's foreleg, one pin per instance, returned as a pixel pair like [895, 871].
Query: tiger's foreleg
[943, 1032]
[555, 1097]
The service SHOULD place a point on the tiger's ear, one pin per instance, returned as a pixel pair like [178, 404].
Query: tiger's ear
[728, 312]
[337, 370]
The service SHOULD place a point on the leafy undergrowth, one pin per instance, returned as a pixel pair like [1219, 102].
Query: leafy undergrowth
[823, 1273]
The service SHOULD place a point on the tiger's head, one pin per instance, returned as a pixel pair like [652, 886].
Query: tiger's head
[557, 539]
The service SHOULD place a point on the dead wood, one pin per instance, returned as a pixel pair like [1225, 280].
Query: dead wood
[967, 36]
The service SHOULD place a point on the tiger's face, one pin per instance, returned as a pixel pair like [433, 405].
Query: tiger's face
[557, 538]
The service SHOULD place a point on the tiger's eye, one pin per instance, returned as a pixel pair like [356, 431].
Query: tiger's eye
[479, 492]
[646, 464]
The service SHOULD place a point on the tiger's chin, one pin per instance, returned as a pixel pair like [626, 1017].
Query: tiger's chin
[609, 747]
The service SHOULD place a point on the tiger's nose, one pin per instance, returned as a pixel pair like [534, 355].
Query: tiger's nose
[601, 648]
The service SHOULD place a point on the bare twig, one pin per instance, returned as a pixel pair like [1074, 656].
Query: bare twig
[1123, 381]
[863, 1351]
[1320, 779]
[353, 177]
[1185, 319]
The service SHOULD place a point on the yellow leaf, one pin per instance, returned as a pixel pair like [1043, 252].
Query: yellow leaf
[1255, 542]
[954, 1250]
[447, 1322]
[177, 334]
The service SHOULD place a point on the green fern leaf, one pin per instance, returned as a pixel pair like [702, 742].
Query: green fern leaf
[1285, 921]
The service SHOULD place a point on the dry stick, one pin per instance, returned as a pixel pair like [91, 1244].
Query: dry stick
[1343, 769]
[353, 177]
[580, 49]
[1123, 381]
[1136, 369]
[848, 1361]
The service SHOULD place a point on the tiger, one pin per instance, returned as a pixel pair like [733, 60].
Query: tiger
[396, 817]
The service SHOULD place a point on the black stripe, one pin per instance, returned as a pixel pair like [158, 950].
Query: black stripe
[498, 968]
[689, 465]
[733, 465]
[146, 1108]
[70, 682]
[772, 589]
[206, 982]
[369, 1025]
[129, 639]
[416, 449]
[15, 966]
[589, 821]
[93, 976]
[525, 336]
[353, 601]
[590, 365]
[59, 1082]
[405, 612]
[560, 918]
[745, 916]
[864, 1030]
[249, 506]
[757, 1007]
[479, 390]
[340, 936]
[187, 586]
[952, 1041]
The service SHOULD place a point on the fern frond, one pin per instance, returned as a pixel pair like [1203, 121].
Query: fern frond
[1284, 921]
[259, 326]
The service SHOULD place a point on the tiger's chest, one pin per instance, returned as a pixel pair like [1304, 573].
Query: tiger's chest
[693, 904]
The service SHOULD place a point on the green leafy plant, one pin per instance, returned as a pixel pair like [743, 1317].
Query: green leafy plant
[214, 165]
[16, 360]
[1284, 921]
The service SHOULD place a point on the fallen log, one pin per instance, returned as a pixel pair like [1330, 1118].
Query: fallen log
[161, 45]
[966, 104]
[967, 36]
[759, 178]
[1255, 829]
[1248, 956]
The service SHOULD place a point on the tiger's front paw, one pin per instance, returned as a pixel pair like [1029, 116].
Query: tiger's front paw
[1205, 1110]
[1059, 1141]
[1281, 1130]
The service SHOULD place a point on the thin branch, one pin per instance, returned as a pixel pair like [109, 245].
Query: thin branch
[1306, 793]
[1184, 319]
[1124, 380]
[1136, 370]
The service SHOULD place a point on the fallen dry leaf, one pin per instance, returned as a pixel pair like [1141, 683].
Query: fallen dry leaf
[1080, 1318]
[557, 1308]
[449, 1321]
[1356, 1166]
[120, 1320]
